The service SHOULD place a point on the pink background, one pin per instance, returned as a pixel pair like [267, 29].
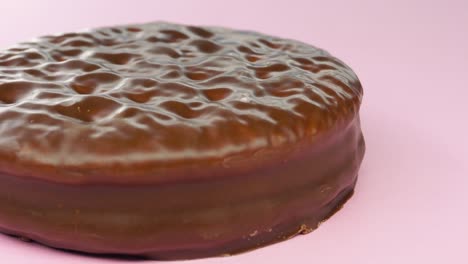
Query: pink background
[411, 204]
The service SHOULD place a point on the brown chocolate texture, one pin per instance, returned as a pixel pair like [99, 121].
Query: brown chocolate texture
[172, 141]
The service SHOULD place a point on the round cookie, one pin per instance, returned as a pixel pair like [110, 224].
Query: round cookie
[173, 142]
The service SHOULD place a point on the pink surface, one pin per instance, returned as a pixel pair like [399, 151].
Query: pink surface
[411, 202]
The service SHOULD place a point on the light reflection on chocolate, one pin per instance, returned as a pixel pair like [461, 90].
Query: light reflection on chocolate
[173, 141]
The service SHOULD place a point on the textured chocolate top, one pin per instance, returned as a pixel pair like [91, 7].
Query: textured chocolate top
[159, 94]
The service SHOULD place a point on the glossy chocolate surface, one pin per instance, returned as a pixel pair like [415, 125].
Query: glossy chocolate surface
[173, 141]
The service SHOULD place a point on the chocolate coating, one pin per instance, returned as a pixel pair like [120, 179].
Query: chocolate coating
[173, 141]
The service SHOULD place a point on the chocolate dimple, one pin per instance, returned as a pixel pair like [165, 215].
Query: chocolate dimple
[181, 109]
[133, 29]
[89, 82]
[78, 43]
[70, 65]
[198, 74]
[200, 32]
[172, 35]
[13, 91]
[115, 58]
[216, 94]
[88, 108]
[20, 62]
[164, 51]
[142, 96]
[268, 71]
[269, 44]
[205, 46]
[33, 56]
